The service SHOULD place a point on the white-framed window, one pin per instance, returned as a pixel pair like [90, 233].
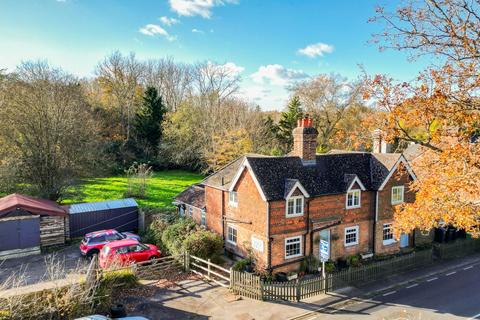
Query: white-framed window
[351, 236]
[295, 206]
[388, 234]
[203, 219]
[233, 198]
[231, 234]
[353, 199]
[190, 211]
[397, 194]
[182, 210]
[293, 247]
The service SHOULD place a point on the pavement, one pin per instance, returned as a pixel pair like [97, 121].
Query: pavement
[34, 269]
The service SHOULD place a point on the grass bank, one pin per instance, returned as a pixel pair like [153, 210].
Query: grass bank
[163, 186]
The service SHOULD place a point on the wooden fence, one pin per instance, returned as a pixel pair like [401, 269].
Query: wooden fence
[378, 270]
[457, 249]
[158, 267]
[254, 287]
[246, 284]
[208, 270]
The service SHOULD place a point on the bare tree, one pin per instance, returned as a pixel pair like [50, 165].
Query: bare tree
[121, 77]
[172, 80]
[48, 133]
[214, 82]
[326, 98]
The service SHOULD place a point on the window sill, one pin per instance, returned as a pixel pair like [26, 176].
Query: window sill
[397, 203]
[232, 243]
[294, 215]
[295, 256]
[388, 242]
[351, 244]
[355, 207]
[233, 205]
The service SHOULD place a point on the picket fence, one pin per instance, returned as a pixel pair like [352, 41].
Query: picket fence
[254, 287]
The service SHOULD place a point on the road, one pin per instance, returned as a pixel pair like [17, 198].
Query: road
[451, 295]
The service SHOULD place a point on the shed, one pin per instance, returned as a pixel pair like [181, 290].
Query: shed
[121, 214]
[28, 224]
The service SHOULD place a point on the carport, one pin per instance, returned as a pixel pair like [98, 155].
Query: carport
[27, 224]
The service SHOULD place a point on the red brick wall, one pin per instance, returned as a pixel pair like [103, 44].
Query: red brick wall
[214, 208]
[249, 218]
[386, 209]
[282, 227]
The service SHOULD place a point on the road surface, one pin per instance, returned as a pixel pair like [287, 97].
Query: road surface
[450, 295]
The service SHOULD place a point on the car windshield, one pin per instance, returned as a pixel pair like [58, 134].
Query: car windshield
[144, 246]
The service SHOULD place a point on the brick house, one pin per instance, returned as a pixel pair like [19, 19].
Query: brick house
[279, 207]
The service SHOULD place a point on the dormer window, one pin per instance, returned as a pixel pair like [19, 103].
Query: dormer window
[233, 198]
[353, 199]
[397, 194]
[295, 206]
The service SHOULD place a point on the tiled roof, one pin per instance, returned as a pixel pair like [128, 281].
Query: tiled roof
[332, 173]
[193, 196]
[34, 205]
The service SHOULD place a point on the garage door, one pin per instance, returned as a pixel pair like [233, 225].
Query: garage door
[19, 233]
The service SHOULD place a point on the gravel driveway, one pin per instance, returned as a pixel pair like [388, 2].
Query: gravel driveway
[33, 269]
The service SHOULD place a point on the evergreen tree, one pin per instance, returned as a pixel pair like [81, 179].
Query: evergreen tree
[287, 123]
[148, 123]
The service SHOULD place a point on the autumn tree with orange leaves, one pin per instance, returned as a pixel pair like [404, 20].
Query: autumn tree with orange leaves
[439, 110]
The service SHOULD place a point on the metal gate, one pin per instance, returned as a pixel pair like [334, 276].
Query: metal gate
[19, 233]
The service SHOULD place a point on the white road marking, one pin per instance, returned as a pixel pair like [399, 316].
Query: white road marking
[428, 280]
[475, 317]
[389, 293]
[413, 285]
[450, 273]
[470, 267]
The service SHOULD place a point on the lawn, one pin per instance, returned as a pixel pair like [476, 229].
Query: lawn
[162, 187]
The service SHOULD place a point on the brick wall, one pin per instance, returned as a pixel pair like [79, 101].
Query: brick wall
[386, 209]
[214, 207]
[249, 217]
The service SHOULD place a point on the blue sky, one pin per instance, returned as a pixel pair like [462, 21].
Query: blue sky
[269, 42]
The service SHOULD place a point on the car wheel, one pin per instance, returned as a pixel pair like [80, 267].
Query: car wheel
[92, 253]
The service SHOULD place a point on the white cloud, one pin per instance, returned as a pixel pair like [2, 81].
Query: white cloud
[154, 29]
[201, 8]
[168, 21]
[277, 75]
[197, 31]
[231, 68]
[316, 49]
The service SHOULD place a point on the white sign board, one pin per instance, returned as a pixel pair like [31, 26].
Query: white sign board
[324, 250]
[257, 244]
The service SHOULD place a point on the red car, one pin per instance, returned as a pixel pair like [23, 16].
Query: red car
[93, 242]
[125, 252]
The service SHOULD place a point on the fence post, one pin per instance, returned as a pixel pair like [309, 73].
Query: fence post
[297, 289]
[208, 273]
[231, 279]
[186, 261]
[260, 285]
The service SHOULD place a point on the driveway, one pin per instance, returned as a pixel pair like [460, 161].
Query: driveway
[37, 268]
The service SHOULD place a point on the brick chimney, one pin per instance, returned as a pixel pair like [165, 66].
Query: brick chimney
[305, 140]
[379, 143]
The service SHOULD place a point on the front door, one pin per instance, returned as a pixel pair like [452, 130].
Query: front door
[324, 245]
[404, 240]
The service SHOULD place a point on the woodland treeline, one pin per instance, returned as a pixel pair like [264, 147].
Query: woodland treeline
[57, 128]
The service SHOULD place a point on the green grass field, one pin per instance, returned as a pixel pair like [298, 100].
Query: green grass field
[162, 187]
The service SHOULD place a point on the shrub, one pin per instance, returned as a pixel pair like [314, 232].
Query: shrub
[174, 235]
[354, 260]
[329, 266]
[204, 244]
[154, 233]
[241, 264]
[310, 264]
